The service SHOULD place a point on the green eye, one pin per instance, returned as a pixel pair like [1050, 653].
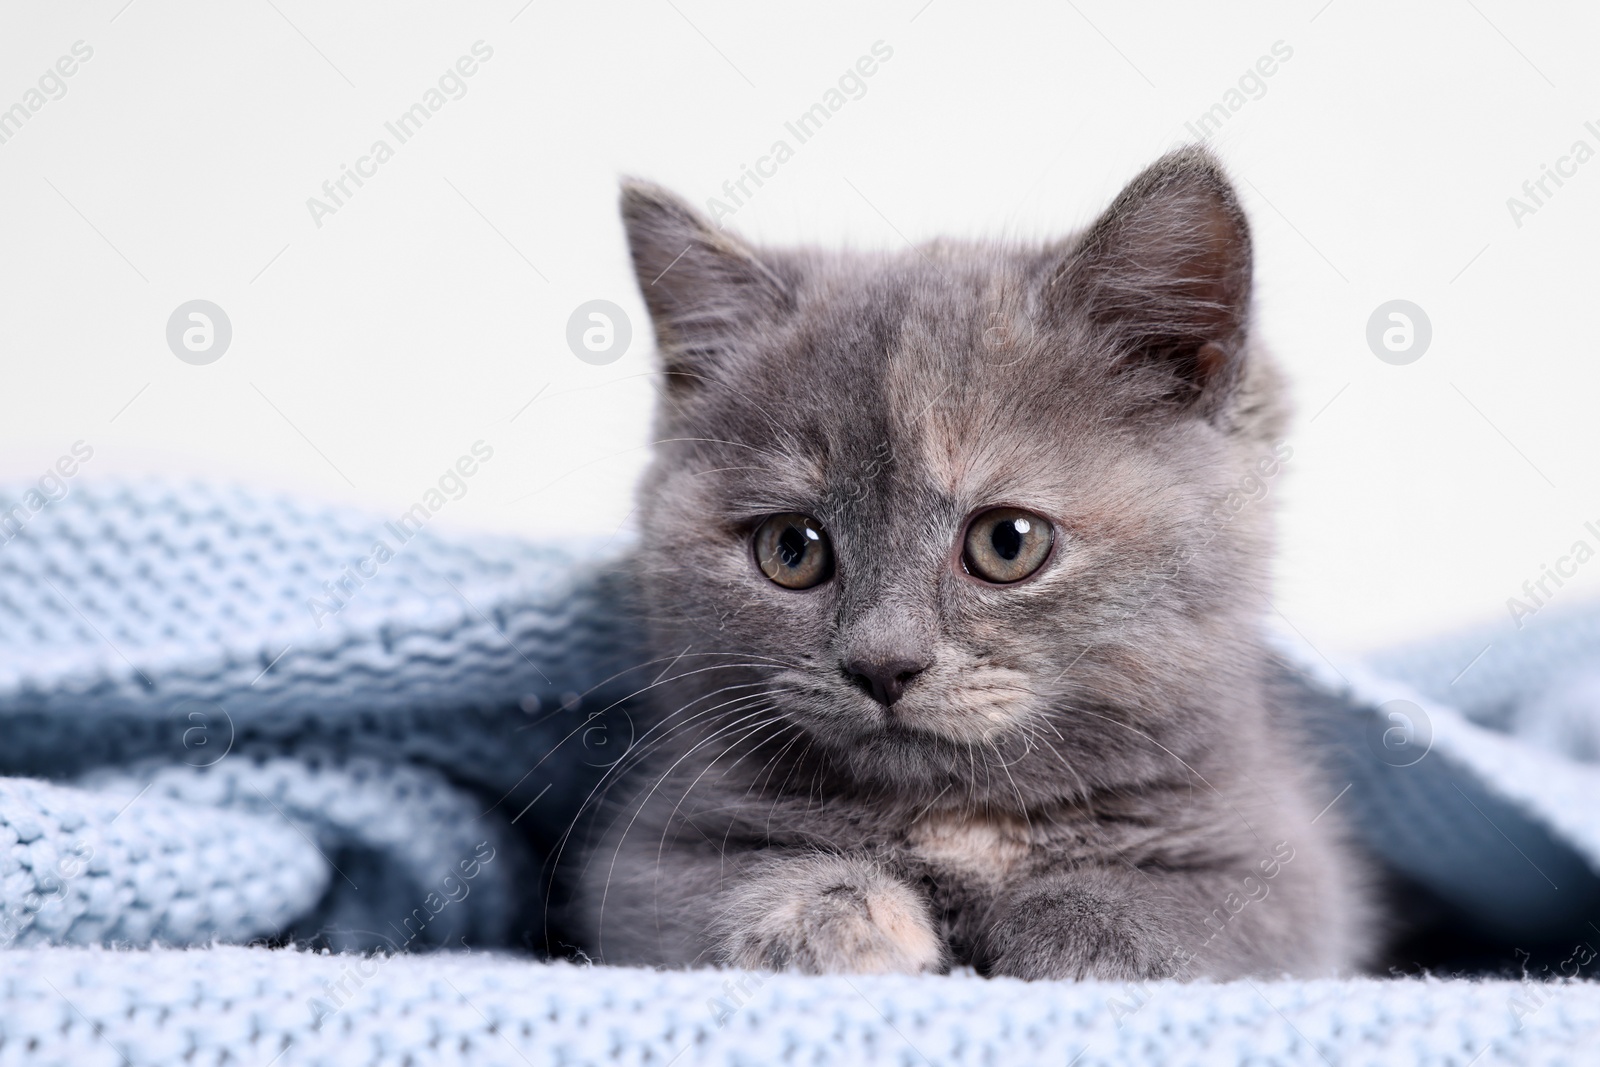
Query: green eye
[1006, 545]
[794, 551]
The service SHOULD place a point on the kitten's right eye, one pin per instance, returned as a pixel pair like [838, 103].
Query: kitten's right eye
[794, 551]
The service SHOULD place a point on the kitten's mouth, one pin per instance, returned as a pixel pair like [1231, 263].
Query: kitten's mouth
[972, 705]
[966, 715]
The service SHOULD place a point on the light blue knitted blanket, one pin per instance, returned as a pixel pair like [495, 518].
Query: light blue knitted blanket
[229, 719]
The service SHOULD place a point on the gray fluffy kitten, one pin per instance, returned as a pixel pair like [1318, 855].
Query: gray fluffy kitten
[958, 630]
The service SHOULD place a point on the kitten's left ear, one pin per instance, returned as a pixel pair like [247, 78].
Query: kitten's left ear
[1166, 273]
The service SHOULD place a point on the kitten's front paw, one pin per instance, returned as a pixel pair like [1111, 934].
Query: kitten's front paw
[829, 915]
[1066, 930]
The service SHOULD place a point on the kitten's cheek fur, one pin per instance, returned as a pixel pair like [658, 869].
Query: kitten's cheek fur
[828, 915]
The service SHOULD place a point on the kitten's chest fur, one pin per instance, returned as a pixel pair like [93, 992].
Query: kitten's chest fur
[980, 846]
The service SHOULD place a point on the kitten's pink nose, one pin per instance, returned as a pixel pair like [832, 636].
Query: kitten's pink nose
[886, 680]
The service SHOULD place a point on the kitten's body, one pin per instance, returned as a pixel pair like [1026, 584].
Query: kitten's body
[1085, 775]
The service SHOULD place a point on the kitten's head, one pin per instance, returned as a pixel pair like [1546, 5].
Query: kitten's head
[962, 505]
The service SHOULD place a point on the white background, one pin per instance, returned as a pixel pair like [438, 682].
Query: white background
[432, 307]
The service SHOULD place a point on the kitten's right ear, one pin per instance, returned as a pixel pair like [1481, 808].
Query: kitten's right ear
[706, 289]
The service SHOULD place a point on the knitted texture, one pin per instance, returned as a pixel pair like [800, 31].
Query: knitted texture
[226, 719]
[207, 652]
[76, 869]
[93, 1008]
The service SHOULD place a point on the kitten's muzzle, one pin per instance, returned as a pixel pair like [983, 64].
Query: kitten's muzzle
[885, 680]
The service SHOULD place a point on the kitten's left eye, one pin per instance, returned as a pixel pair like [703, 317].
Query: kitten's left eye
[794, 551]
[1006, 545]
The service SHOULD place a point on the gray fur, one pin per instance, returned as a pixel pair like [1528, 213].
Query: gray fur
[1091, 778]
